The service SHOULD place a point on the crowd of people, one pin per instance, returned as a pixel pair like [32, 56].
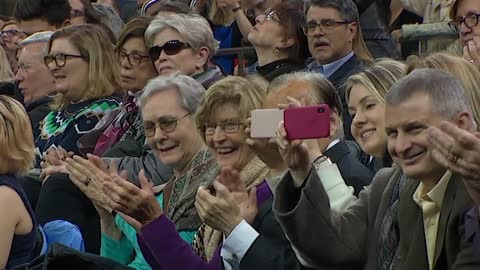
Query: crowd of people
[138, 134]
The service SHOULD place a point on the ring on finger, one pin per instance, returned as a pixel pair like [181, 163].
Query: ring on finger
[87, 181]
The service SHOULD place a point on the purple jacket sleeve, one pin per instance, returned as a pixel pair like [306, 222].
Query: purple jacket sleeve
[163, 248]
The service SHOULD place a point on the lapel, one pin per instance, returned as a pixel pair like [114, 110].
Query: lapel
[447, 206]
[340, 74]
[336, 152]
[264, 209]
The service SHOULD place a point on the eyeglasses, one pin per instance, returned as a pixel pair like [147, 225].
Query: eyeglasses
[470, 21]
[166, 125]
[59, 59]
[172, 47]
[271, 15]
[325, 25]
[11, 33]
[228, 127]
[77, 13]
[134, 59]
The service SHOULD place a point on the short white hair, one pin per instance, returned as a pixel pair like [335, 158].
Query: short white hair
[190, 90]
[37, 38]
[193, 27]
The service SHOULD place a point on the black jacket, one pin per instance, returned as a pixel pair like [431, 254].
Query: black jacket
[38, 109]
[352, 170]
[272, 70]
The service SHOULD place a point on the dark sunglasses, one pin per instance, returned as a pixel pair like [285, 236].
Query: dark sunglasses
[172, 47]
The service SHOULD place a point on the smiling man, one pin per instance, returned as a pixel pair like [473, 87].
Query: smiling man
[410, 217]
[335, 41]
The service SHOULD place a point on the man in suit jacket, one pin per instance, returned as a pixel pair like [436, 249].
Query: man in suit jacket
[411, 216]
[336, 43]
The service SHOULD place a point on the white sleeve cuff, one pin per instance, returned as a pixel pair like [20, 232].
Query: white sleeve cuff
[339, 194]
[238, 242]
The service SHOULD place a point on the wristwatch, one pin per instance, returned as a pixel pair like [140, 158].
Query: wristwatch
[321, 162]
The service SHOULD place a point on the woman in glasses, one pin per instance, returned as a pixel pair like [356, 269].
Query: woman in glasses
[183, 43]
[17, 225]
[82, 62]
[280, 44]
[10, 37]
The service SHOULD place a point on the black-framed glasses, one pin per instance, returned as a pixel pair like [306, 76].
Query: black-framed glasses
[171, 47]
[134, 59]
[11, 33]
[325, 25]
[166, 125]
[227, 127]
[60, 59]
[470, 21]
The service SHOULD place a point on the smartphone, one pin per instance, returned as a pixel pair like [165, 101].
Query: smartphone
[265, 123]
[309, 122]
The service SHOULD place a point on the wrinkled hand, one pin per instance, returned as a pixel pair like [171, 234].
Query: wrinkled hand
[459, 151]
[89, 176]
[228, 208]
[138, 206]
[53, 161]
[471, 51]
[265, 149]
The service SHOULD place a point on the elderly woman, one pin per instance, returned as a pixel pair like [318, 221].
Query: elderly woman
[83, 64]
[183, 43]
[241, 188]
[168, 104]
[365, 95]
[17, 238]
[280, 44]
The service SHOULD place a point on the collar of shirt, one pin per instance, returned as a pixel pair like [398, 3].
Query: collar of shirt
[436, 194]
[332, 144]
[328, 69]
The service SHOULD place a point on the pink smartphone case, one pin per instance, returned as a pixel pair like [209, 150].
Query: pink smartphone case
[309, 122]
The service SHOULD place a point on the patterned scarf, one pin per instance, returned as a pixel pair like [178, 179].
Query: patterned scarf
[207, 239]
[389, 231]
[180, 192]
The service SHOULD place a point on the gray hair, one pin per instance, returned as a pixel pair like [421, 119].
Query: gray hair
[37, 38]
[446, 92]
[346, 8]
[190, 91]
[110, 18]
[323, 92]
[193, 27]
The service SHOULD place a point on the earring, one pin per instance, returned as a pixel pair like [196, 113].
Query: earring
[276, 52]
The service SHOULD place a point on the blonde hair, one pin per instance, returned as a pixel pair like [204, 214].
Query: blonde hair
[6, 73]
[459, 68]
[103, 70]
[16, 138]
[246, 96]
[377, 78]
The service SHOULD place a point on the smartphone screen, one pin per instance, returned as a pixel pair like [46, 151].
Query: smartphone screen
[265, 123]
[310, 122]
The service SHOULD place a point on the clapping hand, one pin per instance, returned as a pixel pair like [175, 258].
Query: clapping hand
[137, 205]
[230, 206]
